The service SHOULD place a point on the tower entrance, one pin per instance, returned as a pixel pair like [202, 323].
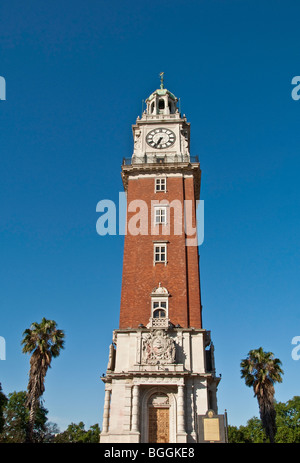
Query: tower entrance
[159, 419]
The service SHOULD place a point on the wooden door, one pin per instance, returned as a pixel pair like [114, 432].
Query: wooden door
[158, 425]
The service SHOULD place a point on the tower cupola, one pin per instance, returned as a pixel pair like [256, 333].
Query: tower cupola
[161, 101]
[161, 135]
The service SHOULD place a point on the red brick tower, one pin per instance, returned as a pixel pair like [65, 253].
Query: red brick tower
[161, 367]
[160, 255]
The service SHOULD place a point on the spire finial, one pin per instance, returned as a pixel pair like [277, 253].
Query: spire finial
[161, 80]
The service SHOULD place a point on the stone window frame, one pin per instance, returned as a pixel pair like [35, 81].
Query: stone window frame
[159, 300]
[160, 213]
[163, 250]
[158, 184]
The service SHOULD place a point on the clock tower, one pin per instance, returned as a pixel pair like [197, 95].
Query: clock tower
[160, 373]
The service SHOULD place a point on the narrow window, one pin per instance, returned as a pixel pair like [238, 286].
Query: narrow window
[160, 253]
[161, 104]
[160, 215]
[159, 313]
[160, 184]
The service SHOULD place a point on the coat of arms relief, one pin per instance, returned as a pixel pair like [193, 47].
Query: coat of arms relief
[158, 348]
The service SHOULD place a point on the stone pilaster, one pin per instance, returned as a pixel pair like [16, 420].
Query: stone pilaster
[127, 408]
[181, 434]
[105, 425]
[135, 408]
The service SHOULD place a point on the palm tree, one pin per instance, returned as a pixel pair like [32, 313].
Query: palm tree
[44, 341]
[261, 371]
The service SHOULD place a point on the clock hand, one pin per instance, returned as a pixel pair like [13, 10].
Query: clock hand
[158, 142]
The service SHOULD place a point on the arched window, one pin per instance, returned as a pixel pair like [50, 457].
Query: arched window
[159, 313]
[161, 104]
[159, 309]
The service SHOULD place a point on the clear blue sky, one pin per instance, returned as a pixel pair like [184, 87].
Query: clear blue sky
[76, 74]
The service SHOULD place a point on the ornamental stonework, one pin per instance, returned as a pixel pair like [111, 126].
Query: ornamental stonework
[158, 348]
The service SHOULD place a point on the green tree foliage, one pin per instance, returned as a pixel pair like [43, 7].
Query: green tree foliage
[16, 418]
[287, 423]
[51, 430]
[3, 402]
[76, 433]
[252, 433]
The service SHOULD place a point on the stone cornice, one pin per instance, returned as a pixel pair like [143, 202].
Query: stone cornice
[160, 376]
[161, 119]
[184, 168]
[174, 328]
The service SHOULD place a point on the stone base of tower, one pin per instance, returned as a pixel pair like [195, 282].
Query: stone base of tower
[128, 438]
[157, 382]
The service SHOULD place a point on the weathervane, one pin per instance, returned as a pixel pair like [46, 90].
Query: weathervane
[161, 80]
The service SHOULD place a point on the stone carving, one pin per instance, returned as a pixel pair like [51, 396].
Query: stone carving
[138, 348]
[160, 290]
[158, 399]
[111, 358]
[137, 141]
[158, 348]
[159, 381]
[185, 142]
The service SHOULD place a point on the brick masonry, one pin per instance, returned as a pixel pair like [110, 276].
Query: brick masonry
[181, 274]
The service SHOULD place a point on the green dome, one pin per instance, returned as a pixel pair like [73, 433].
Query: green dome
[162, 92]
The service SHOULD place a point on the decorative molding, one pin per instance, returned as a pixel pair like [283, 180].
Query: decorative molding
[160, 291]
[159, 380]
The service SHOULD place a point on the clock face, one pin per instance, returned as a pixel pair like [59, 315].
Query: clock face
[160, 138]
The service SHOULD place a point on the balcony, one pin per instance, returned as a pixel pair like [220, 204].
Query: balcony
[160, 159]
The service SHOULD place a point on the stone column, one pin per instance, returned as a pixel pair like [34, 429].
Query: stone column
[135, 408]
[180, 411]
[106, 411]
[191, 419]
